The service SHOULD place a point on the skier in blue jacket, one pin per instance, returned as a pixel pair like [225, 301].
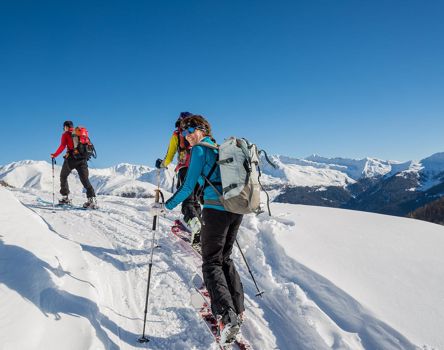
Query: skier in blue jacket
[219, 229]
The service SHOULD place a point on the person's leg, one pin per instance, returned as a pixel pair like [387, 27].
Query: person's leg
[231, 275]
[213, 237]
[66, 170]
[82, 169]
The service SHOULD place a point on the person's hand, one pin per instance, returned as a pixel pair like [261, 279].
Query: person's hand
[157, 208]
[160, 164]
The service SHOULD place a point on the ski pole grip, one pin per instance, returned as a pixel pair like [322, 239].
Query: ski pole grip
[156, 196]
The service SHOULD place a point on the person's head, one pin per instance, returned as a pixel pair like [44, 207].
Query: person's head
[195, 128]
[182, 116]
[68, 125]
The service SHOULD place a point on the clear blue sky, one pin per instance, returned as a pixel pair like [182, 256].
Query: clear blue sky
[333, 77]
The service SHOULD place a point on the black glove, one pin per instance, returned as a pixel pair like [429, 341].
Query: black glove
[159, 163]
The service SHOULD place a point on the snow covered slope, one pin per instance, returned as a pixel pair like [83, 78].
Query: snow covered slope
[334, 279]
[121, 180]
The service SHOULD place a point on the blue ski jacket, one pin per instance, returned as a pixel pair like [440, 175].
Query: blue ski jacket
[202, 160]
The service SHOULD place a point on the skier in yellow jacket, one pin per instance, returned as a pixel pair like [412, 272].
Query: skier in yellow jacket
[190, 207]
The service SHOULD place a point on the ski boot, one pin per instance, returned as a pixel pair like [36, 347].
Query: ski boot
[241, 318]
[91, 203]
[65, 201]
[195, 226]
[229, 326]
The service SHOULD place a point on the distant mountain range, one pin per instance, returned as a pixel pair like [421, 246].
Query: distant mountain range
[368, 184]
[126, 180]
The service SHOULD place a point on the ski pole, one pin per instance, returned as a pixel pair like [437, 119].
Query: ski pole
[172, 186]
[53, 161]
[259, 292]
[144, 338]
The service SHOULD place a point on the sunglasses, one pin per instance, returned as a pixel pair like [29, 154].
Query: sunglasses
[190, 130]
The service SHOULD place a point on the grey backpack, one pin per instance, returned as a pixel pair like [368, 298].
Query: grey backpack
[240, 172]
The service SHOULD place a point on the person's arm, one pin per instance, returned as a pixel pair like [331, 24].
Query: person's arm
[193, 174]
[172, 149]
[63, 144]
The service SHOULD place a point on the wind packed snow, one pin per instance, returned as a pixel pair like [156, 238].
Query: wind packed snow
[333, 279]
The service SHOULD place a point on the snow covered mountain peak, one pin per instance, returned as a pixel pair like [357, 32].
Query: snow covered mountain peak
[358, 168]
[27, 173]
[434, 163]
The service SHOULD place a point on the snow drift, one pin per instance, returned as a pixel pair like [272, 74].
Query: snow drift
[334, 279]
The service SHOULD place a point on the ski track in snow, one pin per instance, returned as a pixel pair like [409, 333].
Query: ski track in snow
[299, 310]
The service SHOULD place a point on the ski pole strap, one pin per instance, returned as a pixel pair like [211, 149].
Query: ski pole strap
[161, 196]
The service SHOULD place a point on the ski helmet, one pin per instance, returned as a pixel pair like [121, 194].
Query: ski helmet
[182, 115]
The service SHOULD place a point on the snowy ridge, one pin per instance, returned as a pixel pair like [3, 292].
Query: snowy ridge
[358, 168]
[314, 171]
[27, 173]
[348, 281]
[298, 172]
[430, 171]
[121, 180]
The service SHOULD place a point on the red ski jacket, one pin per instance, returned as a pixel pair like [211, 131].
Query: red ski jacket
[66, 141]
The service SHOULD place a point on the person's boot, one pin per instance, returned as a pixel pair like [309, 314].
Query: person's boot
[91, 203]
[241, 318]
[195, 226]
[65, 201]
[229, 326]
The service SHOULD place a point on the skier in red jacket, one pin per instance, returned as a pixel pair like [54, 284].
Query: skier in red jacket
[70, 163]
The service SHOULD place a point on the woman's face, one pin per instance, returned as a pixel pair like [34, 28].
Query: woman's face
[195, 137]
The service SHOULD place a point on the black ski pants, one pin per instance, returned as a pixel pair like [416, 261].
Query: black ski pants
[81, 165]
[190, 206]
[219, 231]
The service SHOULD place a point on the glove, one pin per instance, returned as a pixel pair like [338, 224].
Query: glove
[157, 208]
[160, 164]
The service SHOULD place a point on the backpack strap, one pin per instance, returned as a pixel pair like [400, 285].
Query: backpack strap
[210, 173]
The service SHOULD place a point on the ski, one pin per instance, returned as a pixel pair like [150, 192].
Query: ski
[200, 299]
[61, 206]
[202, 303]
[184, 233]
[181, 231]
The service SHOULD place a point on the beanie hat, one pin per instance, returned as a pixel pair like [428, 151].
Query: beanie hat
[182, 115]
[68, 123]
